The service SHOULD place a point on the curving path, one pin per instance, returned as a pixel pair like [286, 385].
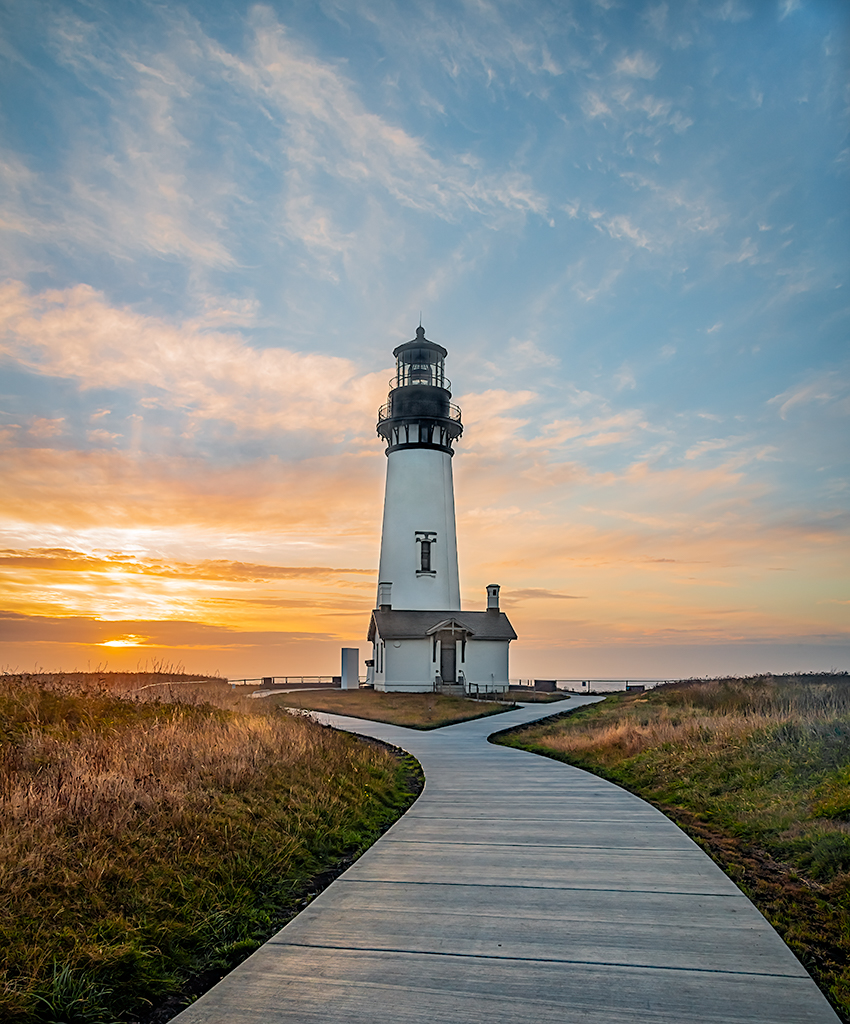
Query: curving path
[519, 889]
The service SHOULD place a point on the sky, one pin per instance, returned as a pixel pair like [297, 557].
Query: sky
[628, 224]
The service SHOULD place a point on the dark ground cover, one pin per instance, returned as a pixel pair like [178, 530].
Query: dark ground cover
[148, 847]
[758, 772]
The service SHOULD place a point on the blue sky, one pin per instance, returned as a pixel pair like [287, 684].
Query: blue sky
[627, 222]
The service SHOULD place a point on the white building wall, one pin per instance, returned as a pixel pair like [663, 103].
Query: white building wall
[420, 498]
[487, 664]
[379, 668]
[407, 666]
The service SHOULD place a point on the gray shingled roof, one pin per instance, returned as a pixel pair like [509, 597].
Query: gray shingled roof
[398, 624]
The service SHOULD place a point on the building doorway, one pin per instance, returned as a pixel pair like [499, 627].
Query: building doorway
[448, 658]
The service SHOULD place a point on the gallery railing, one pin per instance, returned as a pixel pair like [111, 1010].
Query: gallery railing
[386, 411]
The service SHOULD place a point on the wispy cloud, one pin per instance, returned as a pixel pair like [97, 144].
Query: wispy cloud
[637, 65]
[622, 227]
[625, 378]
[330, 128]
[715, 444]
[44, 427]
[729, 10]
[133, 186]
[825, 388]
[69, 560]
[325, 156]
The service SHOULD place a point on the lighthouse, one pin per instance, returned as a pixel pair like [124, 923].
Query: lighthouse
[421, 640]
[420, 425]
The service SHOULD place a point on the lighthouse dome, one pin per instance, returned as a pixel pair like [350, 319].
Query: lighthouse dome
[420, 362]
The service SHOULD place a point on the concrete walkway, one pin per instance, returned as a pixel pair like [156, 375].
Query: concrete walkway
[519, 889]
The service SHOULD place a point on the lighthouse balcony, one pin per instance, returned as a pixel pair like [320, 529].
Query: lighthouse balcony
[404, 406]
[449, 412]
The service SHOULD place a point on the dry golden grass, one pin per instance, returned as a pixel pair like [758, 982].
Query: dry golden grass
[703, 715]
[142, 841]
[169, 686]
[758, 770]
[412, 710]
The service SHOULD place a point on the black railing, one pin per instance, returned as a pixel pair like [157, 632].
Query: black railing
[385, 412]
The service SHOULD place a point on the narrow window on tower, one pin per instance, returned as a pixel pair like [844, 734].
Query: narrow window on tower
[424, 555]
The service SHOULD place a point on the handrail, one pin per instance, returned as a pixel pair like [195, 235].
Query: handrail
[286, 680]
[610, 685]
[384, 413]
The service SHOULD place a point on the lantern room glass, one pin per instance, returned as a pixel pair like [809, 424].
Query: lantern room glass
[421, 365]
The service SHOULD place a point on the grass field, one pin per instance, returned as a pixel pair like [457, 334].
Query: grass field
[412, 710]
[147, 847]
[758, 772]
[175, 684]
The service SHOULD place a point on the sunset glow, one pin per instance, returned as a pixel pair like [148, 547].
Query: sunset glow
[628, 226]
[127, 641]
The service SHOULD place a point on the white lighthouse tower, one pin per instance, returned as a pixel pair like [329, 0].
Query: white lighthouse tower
[419, 423]
[420, 637]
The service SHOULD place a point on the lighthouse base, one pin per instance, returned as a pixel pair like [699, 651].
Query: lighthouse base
[440, 651]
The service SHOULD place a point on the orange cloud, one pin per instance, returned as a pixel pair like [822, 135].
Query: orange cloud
[66, 560]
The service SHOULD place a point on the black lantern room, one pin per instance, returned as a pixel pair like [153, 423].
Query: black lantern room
[419, 413]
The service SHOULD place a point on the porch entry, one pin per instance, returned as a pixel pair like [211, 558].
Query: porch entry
[452, 637]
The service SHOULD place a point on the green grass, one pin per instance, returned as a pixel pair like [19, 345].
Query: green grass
[411, 710]
[756, 770]
[147, 848]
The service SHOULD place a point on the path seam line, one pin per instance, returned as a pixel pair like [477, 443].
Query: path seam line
[536, 960]
[544, 888]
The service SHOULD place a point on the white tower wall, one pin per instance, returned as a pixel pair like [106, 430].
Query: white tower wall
[419, 503]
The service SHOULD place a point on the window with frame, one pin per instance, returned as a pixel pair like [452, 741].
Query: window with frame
[425, 564]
